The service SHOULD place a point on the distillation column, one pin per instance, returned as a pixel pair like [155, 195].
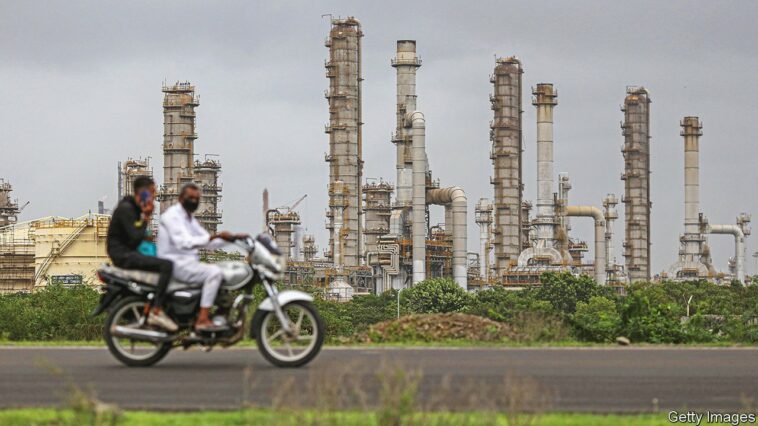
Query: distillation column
[691, 254]
[345, 163]
[179, 136]
[507, 148]
[636, 177]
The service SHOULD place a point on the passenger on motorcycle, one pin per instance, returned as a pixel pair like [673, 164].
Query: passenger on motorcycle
[127, 231]
[180, 236]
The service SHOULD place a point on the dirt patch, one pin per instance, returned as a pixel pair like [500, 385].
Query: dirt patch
[437, 327]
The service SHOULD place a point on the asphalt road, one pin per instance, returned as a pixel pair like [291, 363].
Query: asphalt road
[560, 379]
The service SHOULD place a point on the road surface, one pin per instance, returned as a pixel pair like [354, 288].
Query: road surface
[559, 379]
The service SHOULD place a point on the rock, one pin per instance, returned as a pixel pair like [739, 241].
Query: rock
[623, 341]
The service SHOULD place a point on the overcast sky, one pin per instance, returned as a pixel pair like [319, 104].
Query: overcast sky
[80, 90]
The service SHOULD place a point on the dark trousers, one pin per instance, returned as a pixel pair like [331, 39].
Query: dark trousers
[136, 260]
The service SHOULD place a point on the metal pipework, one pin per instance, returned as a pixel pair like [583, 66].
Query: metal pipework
[739, 231]
[337, 195]
[545, 99]
[600, 249]
[609, 205]
[418, 216]
[406, 64]
[483, 215]
[454, 197]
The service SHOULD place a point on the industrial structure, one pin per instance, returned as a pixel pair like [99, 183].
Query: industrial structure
[695, 260]
[636, 177]
[380, 233]
[52, 250]
[179, 164]
[506, 154]
[206, 175]
[343, 69]
[129, 171]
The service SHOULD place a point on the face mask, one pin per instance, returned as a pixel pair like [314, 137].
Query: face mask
[190, 205]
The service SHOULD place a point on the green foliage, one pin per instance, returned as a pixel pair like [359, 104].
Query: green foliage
[53, 313]
[564, 306]
[344, 319]
[563, 291]
[435, 296]
[597, 320]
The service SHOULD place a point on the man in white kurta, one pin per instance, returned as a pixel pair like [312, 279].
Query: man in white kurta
[180, 236]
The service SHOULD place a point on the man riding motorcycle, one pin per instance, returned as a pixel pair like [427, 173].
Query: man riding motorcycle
[180, 236]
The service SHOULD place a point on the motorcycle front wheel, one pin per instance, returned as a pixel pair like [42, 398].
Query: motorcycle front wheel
[294, 348]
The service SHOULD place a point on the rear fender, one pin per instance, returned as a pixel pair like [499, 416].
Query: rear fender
[285, 297]
[112, 293]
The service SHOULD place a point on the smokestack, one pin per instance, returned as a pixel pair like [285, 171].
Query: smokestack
[693, 240]
[507, 147]
[406, 63]
[693, 260]
[545, 99]
[636, 177]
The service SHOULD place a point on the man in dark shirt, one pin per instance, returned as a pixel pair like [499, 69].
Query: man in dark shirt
[127, 231]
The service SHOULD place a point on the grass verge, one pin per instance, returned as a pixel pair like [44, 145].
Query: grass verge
[48, 417]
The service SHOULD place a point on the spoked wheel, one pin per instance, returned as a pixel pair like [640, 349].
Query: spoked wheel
[300, 345]
[129, 312]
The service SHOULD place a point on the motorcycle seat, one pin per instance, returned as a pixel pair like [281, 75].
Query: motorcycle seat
[145, 277]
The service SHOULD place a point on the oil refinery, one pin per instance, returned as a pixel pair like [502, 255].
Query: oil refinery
[380, 235]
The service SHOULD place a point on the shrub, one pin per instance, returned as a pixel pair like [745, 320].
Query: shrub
[435, 296]
[597, 320]
[54, 312]
[563, 291]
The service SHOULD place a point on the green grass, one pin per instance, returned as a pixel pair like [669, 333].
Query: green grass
[48, 417]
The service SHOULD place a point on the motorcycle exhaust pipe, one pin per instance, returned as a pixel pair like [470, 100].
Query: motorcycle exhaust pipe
[139, 334]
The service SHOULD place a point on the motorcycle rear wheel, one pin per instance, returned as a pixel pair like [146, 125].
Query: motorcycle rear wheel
[128, 311]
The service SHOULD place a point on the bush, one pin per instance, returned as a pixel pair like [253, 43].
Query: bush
[563, 291]
[597, 320]
[435, 296]
[53, 313]
[650, 315]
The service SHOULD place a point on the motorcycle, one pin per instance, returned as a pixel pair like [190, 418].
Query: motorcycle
[286, 325]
